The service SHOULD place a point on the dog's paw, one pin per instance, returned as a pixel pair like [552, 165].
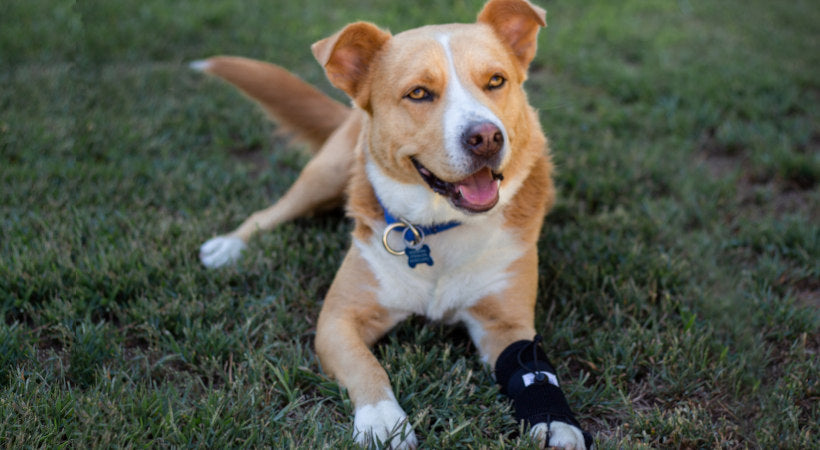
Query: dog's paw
[221, 251]
[383, 424]
[561, 435]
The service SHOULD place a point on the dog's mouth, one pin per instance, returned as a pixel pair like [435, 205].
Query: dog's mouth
[477, 193]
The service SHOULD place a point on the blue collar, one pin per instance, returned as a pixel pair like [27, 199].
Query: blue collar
[416, 251]
[425, 230]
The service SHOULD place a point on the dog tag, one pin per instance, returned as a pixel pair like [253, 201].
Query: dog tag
[416, 256]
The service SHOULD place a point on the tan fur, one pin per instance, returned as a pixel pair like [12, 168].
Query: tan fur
[505, 321]
[512, 21]
[345, 55]
[350, 322]
[296, 105]
[387, 130]
[320, 186]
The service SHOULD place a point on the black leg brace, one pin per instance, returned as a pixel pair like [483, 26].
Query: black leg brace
[528, 378]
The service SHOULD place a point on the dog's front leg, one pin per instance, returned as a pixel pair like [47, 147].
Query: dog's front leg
[502, 326]
[351, 321]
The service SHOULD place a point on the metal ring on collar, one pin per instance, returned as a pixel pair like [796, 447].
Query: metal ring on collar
[418, 237]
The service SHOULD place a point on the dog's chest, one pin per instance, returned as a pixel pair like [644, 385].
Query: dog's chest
[469, 262]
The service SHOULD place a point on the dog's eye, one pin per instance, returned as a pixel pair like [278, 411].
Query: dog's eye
[419, 94]
[496, 81]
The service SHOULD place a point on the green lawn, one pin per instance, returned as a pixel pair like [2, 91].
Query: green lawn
[680, 269]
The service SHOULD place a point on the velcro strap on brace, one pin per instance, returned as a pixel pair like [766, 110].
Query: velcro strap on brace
[527, 377]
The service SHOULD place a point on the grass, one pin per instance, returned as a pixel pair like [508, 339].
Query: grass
[680, 269]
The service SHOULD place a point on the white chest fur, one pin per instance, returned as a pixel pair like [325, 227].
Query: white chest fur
[471, 261]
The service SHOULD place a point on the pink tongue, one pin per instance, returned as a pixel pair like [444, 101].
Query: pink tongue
[479, 188]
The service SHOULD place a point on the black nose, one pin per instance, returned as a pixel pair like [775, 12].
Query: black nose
[483, 139]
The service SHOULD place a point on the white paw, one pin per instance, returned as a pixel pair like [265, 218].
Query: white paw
[384, 423]
[562, 435]
[221, 251]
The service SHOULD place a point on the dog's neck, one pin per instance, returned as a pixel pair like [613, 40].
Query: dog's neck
[427, 230]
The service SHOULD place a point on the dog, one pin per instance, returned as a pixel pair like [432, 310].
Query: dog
[446, 173]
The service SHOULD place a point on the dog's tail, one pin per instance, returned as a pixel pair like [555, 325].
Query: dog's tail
[296, 105]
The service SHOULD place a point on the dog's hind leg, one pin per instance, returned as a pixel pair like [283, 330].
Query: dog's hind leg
[320, 186]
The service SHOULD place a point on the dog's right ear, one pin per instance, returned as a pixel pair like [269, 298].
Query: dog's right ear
[348, 55]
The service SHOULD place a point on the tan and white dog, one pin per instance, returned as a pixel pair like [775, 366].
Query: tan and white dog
[447, 175]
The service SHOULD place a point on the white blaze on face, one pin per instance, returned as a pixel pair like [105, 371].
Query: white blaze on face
[462, 109]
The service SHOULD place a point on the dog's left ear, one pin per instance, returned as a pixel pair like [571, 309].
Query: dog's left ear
[348, 55]
[517, 23]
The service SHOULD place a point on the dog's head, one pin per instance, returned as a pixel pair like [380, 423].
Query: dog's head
[448, 118]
